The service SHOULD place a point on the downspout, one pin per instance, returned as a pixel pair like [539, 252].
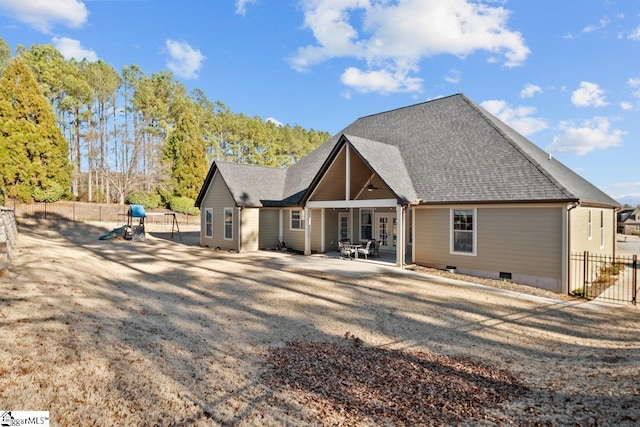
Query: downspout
[307, 231]
[280, 227]
[615, 230]
[568, 256]
[240, 249]
[400, 236]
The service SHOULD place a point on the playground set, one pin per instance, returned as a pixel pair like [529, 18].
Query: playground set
[137, 232]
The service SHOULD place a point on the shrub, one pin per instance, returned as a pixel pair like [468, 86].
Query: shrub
[52, 194]
[185, 205]
[148, 200]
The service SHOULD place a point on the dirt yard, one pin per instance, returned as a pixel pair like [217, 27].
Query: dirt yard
[164, 332]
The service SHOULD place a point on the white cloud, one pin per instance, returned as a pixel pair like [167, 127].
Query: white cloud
[625, 192]
[241, 6]
[519, 118]
[635, 85]
[274, 121]
[589, 94]
[634, 35]
[44, 14]
[70, 48]
[453, 77]
[594, 134]
[530, 90]
[383, 81]
[184, 61]
[591, 28]
[393, 37]
[626, 105]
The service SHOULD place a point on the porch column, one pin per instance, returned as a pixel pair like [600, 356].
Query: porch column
[400, 232]
[307, 231]
[322, 233]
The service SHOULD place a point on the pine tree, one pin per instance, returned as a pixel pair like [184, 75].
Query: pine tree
[33, 151]
[5, 54]
[185, 154]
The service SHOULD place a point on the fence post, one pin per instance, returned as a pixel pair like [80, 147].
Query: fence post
[585, 263]
[634, 292]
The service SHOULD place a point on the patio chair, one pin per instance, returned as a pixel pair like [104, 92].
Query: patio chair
[367, 250]
[346, 251]
[376, 247]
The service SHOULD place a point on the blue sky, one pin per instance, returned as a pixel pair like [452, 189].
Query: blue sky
[566, 74]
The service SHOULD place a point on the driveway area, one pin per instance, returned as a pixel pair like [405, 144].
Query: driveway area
[164, 332]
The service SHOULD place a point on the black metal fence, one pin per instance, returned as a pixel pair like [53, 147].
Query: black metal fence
[604, 277]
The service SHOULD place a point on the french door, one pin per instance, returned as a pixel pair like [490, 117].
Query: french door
[343, 227]
[386, 231]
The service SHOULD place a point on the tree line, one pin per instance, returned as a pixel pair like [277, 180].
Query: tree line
[85, 131]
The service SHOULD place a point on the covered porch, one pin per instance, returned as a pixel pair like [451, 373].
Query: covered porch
[354, 199]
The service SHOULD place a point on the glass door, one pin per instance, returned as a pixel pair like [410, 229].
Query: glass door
[386, 231]
[343, 227]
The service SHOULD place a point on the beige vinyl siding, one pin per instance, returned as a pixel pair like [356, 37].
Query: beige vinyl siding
[294, 238]
[250, 229]
[218, 197]
[333, 184]
[579, 233]
[523, 241]
[269, 228]
[360, 174]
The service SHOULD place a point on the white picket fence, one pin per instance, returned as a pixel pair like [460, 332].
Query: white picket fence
[8, 233]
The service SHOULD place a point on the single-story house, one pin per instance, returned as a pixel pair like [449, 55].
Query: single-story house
[629, 221]
[442, 184]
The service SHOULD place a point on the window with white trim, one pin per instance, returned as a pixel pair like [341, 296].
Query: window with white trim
[297, 220]
[228, 223]
[208, 222]
[589, 226]
[463, 231]
[366, 224]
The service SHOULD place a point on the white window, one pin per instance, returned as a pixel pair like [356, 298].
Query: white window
[366, 224]
[589, 226]
[297, 220]
[208, 222]
[228, 223]
[463, 231]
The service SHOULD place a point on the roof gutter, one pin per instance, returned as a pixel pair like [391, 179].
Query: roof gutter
[493, 202]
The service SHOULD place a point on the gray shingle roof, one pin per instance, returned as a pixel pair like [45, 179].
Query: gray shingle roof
[386, 160]
[447, 150]
[454, 151]
[250, 185]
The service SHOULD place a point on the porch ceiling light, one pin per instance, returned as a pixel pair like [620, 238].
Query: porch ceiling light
[371, 187]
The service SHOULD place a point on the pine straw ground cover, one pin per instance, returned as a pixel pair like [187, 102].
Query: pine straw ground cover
[369, 385]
